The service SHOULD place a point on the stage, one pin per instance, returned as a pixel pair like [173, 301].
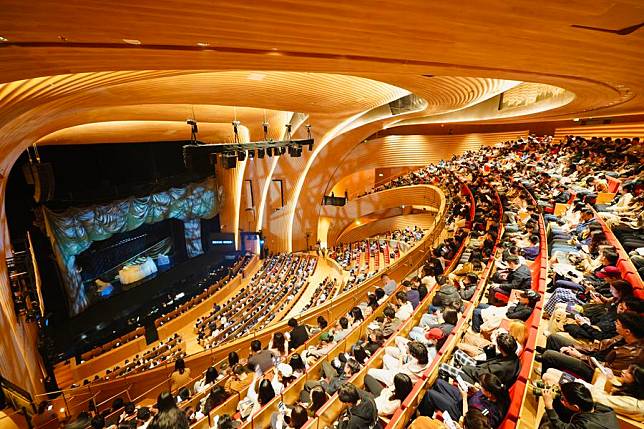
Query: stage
[130, 308]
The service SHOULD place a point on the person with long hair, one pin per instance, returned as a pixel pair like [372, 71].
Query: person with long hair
[216, 397]
[257, 396]
[180, 376]
[207, 381]
[297, 364]
[318, 398]
[492, 399]
[279, 344]
[388, 399]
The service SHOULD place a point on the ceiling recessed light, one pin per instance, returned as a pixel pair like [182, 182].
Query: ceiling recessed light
[132, 41]
[3, 39]
[203, 44]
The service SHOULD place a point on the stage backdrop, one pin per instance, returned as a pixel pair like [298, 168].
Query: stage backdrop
[73, 231]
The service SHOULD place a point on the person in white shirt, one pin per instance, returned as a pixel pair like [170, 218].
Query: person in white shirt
[342, 329]
[412, 362]
[388, 285]
[388, 399]
[405, 310]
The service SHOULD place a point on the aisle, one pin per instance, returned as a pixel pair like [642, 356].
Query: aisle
[324, 269]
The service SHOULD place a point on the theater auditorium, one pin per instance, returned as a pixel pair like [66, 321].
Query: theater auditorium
[311, 215]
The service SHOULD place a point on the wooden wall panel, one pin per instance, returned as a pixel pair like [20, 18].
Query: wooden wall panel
[608, 130]
[20, 362]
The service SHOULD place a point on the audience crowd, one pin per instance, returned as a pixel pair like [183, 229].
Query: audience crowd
[480, 278]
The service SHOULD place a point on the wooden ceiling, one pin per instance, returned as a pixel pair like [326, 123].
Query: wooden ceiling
[98, 71]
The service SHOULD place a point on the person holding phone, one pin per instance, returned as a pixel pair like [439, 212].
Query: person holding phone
[615, 353]
[490, 396]
[623, 394]
[577, 400]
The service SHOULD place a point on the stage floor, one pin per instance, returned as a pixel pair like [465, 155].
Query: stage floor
[127, 305]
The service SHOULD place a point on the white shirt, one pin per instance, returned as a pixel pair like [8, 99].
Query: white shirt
[405, 311]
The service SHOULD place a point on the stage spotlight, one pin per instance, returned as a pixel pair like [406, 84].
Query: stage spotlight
[260, 153]
[291, 151]
[269, 151]
[194, 129]
[229, 160]
[282, 150]
[251, 154]
[241, 155]
[311, 146]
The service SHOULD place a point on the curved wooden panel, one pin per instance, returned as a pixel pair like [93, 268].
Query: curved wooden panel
[419, 195]
[608, 130]
[380, 226]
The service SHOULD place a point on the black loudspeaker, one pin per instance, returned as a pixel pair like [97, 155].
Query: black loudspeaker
[44, 183]
[151, 333]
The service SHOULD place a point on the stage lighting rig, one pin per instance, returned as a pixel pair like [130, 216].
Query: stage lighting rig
[231, 152]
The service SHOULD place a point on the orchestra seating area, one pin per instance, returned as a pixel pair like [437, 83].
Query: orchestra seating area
[535, 264]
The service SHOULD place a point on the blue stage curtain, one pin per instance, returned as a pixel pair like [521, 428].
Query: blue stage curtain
[74, 230]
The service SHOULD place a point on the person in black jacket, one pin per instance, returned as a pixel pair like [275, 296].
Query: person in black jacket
[299, 334]
[505, 366]
[603, 322]
[577, 403]
[519, 277]
[362, 412]
[523, 310]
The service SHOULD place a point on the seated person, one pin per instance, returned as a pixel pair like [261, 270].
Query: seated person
[491, 398]
[423, 332]
[388, 399]
[342, 329]
[505, 366]
[333, 378]
[616, 353]
[408, 357]
[625, 394]
[361, 412]
[390, 323]
[238, 380]
[405, 308]
[315, 352]
[578, 404]
[519, 277]
[488, 318]
[260, 357]
[475, 345]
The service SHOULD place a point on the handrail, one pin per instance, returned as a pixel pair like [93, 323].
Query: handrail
[401, 419]
[619, 247]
